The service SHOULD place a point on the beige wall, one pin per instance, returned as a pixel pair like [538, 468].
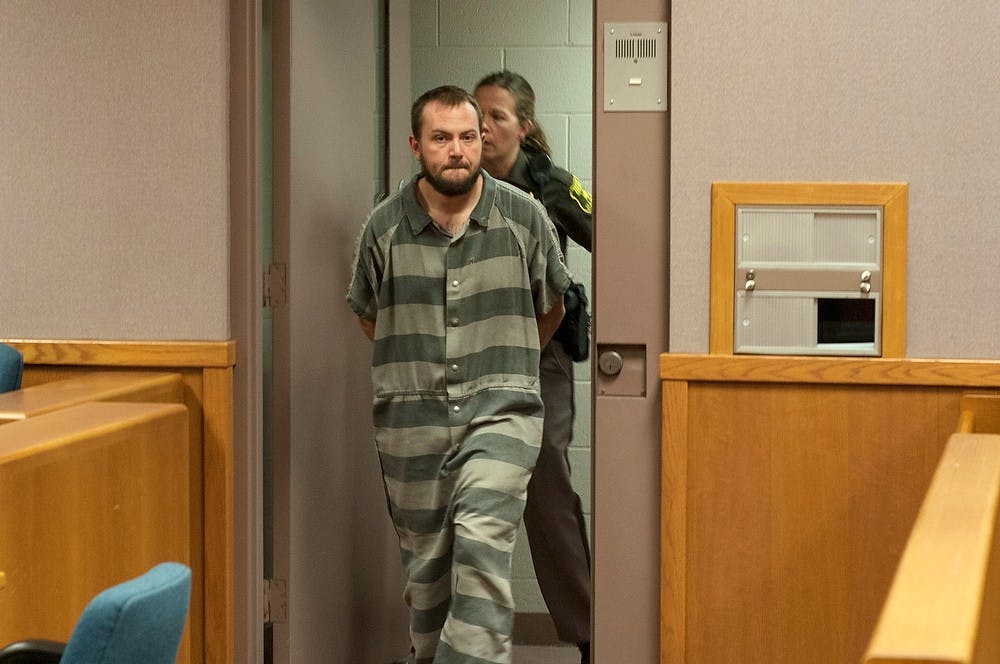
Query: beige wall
[856, 91]
[113, 177]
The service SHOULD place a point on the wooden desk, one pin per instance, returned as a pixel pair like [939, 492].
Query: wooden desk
[219, 593]
[90, 495]
[32, 401]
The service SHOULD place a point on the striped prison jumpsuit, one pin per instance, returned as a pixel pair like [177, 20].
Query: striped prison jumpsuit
[457, 411]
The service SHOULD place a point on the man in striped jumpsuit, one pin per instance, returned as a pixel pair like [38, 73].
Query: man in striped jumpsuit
[458, 282]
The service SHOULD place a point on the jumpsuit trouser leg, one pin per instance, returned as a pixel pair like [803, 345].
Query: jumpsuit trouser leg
[458, 570]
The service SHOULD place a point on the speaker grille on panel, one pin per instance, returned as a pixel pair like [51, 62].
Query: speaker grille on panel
[635, 67]
[635, 49]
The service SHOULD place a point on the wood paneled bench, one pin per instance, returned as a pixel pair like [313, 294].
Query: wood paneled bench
[944, 603]
[90, 495]
[94, 386]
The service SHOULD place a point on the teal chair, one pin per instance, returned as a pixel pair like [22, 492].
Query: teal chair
[11, 368]
[138, 621]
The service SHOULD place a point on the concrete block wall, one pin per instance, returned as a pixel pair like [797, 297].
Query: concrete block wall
[549, 42]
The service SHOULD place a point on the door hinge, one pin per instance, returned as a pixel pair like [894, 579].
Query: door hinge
[275, 285]
[275, 601]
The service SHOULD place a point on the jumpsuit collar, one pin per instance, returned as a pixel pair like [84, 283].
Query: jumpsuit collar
[420, 220]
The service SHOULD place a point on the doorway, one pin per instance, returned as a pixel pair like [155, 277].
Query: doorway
[341, 557]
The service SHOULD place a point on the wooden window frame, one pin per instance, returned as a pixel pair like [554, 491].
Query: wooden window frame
[892, 197]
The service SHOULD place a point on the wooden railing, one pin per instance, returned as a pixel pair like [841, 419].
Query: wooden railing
[90, 495]
[979, 413]
[944, 602]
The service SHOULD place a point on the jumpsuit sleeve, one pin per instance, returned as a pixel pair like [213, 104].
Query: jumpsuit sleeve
[362, 294]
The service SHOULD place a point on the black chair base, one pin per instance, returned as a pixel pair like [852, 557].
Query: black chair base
[38, 651]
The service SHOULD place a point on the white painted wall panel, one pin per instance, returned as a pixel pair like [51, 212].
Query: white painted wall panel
[509, 23]
[581, 22]
[561, 77]
[452, 66]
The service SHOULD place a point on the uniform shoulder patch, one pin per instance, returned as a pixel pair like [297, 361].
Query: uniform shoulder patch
[579, 194]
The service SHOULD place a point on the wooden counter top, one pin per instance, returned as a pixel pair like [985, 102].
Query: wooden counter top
[845, 370]
[94, 386]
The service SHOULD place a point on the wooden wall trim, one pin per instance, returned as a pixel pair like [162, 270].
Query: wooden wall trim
[126, 353]
[806, 369]
[673, 523]
[721, 261]
[219, 512]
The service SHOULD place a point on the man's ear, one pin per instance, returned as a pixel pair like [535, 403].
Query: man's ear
[415, 146]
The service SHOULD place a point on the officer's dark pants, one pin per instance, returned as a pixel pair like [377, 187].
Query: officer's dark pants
[553, 516]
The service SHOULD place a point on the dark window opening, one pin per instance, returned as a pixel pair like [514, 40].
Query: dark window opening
[845, 321]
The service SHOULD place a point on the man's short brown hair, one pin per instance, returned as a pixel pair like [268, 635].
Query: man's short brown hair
[448, 96]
